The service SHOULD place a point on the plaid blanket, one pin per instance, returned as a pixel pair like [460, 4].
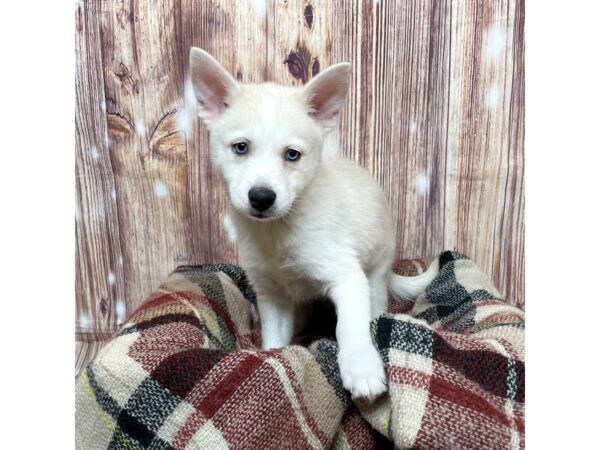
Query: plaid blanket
[186, 371]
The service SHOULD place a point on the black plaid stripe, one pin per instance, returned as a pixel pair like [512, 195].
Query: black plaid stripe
[480, 295]
[511, 381]
[237, 275]
[128, 330]
[400, 335]
[445, 291]
[430, 315]
[206, 278]
[103, 398]
[326, 356]
[451, 301]
[210, 284]
[516, 380]
[151, 404]
[449, 256]
[461, 317]
[123, 438]
[122, 441]
[189, 317]
[145, 412]
[131, 433]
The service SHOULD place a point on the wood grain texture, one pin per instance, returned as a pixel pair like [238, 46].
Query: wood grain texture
[483, 186]
[435, 112]
[85, 350]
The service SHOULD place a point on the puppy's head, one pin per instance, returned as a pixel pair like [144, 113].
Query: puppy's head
[266, 139]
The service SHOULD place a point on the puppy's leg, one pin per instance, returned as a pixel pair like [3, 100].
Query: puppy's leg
[378, 287]
[361, 368]
[277, 321]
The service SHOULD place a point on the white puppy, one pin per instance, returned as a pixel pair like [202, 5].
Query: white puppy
[306, 225]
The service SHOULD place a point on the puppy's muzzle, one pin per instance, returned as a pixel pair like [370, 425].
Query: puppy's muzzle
[261, 198]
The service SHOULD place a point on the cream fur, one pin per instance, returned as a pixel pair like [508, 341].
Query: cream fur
[329, 231]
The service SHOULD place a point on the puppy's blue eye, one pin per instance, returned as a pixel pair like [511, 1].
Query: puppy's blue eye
[292, 154]
[240, 148]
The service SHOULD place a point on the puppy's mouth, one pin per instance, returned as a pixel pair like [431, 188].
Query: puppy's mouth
[263, 216]
[259, 215]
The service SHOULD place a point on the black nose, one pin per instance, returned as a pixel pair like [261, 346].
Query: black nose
[261, 198]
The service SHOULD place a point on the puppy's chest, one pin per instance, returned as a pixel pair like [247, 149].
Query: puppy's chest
[287, 270]
[298, 284]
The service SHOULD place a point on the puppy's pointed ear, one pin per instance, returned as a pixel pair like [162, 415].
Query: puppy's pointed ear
[214, 87]
[325, 94]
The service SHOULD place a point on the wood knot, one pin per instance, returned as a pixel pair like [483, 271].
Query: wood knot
[126, 79]
[308, 15]
[315, 67]
[167, 137]
[103, 306]
[298, 62]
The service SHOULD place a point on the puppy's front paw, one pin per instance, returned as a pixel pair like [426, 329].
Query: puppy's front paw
[362, 373]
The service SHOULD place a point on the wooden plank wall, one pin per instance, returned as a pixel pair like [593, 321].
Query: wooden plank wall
[435, 112]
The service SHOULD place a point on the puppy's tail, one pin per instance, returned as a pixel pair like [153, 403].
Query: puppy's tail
[411, 287]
